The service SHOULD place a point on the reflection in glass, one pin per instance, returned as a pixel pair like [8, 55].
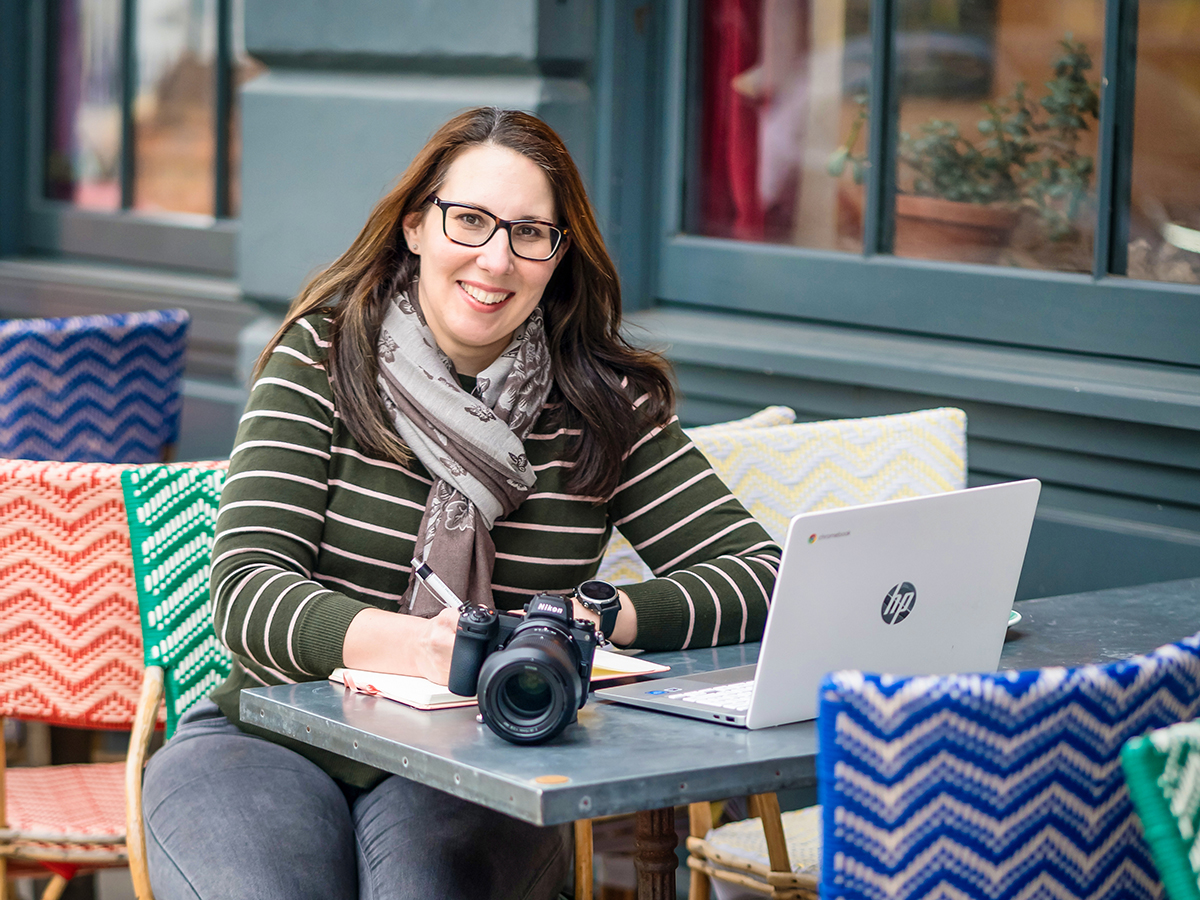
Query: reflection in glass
[772, 112]
[83, 122]
[998, 103]
[174, 106]
[1164, 225]
[998, 132]
[245, 68]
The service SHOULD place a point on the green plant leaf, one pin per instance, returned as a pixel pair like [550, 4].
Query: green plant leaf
[837, 162]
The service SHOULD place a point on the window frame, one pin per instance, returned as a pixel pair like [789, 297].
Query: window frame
[1095, 313]
[198, 243]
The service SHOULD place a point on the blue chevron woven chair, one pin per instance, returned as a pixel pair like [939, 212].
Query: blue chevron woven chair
[92, 388]
[993, 786]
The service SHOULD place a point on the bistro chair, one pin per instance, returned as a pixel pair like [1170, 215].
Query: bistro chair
[171, 511]
[778, 470]
[1163, 771]
[997, 785]
[92, 388]
[70, 654]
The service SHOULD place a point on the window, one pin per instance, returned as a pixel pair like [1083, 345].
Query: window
[139, 130]
[1006, 195]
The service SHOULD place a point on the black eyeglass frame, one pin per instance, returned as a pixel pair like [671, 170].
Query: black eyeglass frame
[506, 224]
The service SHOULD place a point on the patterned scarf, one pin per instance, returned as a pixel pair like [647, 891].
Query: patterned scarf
[471, 443]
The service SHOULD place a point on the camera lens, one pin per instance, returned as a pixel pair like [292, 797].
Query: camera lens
[526, 693]
[529, 691]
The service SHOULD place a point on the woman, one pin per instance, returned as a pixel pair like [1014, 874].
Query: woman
[453, 388]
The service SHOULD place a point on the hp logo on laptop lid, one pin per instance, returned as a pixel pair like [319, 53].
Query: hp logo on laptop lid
[899, 602]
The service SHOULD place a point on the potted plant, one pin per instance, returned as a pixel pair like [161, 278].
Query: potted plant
[972, 189]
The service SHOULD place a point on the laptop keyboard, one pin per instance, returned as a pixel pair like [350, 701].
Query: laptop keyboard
[727, 696]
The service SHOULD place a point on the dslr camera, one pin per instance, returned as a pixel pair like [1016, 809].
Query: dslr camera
[531, 672]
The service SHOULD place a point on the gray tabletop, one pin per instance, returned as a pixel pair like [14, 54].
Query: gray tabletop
[619, 760]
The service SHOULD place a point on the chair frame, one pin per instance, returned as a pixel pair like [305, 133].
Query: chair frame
[144, 724]
[61, 860]
[707, 862]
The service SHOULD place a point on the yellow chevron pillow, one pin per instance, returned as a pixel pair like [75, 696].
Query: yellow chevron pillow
[781, 470]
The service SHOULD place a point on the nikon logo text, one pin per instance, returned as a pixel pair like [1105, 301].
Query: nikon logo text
[899, 602]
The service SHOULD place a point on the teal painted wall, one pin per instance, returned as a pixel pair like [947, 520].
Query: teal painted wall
[355, 89]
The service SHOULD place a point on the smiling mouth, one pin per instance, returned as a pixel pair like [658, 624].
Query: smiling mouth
[487, 298]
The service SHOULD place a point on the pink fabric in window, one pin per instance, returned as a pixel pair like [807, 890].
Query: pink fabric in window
[729, 154]
[755, 102]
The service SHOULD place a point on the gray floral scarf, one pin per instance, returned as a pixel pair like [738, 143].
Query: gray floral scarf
[471, 443]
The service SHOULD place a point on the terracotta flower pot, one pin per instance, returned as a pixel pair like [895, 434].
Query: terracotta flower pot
[933, 228]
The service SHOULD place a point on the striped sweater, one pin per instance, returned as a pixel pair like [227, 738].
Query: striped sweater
[311, 531]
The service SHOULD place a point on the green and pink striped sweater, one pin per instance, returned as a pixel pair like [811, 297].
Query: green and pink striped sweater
[311, 531]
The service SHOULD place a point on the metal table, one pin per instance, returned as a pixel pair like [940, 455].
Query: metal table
[621, 760]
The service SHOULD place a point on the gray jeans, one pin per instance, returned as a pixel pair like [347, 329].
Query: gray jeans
[229, 815]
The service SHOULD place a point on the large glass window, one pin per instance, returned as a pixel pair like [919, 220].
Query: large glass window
[992, 147]
[774, 110]
[83, 140]
[998, 116]
[1164, 228]
[141, 105]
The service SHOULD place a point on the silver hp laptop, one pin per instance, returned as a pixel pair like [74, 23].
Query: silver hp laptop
[920, 586]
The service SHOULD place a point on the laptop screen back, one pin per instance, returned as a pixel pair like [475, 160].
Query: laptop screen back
[908, 587]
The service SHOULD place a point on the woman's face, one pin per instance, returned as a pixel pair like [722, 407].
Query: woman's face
[474, 298]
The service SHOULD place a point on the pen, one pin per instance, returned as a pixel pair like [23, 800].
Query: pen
[438, 587]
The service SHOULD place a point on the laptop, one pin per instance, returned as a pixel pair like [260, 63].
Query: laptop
[919, 586]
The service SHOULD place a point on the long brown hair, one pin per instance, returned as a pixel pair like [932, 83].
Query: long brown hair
[597, 373]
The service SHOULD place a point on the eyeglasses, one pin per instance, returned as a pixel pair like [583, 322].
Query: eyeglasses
[473, 226]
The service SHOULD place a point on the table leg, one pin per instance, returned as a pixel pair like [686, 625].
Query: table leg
[655, 860]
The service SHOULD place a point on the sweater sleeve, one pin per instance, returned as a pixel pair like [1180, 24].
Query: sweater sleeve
[266, 607]
[716, 565]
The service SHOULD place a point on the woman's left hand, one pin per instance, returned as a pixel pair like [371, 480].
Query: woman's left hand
[625, 631]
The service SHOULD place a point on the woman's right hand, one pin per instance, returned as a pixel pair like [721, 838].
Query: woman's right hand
[436, 649]
[379, 641]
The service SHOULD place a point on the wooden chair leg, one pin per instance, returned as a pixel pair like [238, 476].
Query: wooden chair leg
[5, 890]
[766, 808]
[135, 761]
[55, 888]
[583, 859]
[699, 824]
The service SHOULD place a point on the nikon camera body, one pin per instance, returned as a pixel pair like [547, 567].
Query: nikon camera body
[531, 673]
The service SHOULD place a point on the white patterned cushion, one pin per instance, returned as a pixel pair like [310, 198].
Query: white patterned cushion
[746, 840]
[781, 470]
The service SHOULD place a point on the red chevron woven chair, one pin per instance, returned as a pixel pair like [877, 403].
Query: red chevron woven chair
[70, 654]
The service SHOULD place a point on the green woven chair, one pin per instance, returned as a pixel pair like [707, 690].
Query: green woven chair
[1163, 772]
[172, 511]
